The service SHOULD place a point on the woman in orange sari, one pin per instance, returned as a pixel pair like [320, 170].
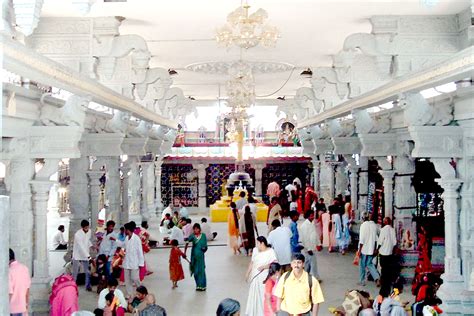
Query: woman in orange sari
[233, 228]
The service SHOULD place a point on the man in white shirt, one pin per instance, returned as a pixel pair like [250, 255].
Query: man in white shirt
[367, 240]
[81, 254]
[58, 240]
[290, 188]
[280, 239]
[133, 260]
[112, 285]
[206, 230]
[176, 233]
[241, 202]
[386, 244]
[108, 245]
[309, 239]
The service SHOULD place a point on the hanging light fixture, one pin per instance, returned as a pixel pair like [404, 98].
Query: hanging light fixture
[247, 30]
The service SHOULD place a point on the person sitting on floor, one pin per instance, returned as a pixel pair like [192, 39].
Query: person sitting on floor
[206, 230]
[112, 285]
[176, 233]
[58, 241]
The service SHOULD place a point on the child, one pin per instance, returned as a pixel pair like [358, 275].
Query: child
[176, 269]
[101, 272]
[270, 302]
[112, 307]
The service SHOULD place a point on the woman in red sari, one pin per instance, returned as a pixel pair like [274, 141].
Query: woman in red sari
[424, 263]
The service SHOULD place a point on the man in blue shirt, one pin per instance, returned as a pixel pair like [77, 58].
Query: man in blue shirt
[295, 246]
[108, 245]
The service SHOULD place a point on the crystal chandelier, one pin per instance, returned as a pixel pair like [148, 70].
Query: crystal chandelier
[246, 31]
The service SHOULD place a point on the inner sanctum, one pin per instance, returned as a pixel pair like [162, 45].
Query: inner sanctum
[208, 157]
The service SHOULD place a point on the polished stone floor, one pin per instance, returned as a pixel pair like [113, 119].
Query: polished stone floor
[225, 273]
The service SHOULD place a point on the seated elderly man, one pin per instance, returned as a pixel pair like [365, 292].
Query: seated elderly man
[144, 304]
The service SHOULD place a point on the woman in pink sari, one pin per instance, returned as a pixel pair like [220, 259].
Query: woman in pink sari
[64, 299]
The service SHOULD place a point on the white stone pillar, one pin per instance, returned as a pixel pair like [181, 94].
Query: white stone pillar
[18, 177]
[201, 168]
[363, 184]
[148, 190]
[94, 184]
[332, 181]
[404, 195]
[78, 198]
[258, 180]
[40, 282]
[112, 188]
[317, 176]
[341, 183]
[158, 201]
[388, 191]
[353, 178]
[4, 245]
[134, 190]
[124, 195]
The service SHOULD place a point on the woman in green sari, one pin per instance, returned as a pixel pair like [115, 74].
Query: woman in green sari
[198, 265]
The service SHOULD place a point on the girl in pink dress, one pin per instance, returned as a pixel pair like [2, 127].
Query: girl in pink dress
[270, 301]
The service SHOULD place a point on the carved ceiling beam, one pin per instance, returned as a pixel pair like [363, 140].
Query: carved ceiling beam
[102, 144]
[26, 62]
[379, 144]
[456, 67]
[437, 141]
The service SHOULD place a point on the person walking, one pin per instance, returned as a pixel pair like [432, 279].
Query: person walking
[108, 246]
[280, 239]
[19, 283]
[309, 239]
[298, 292]
[256, 274]
[198, 263]
[80, 253]
[233, 228]
[248, 228]
[274, 211]
[367, 250]
[134, 259]
[386, 245]
[295, 238]
[273, 189]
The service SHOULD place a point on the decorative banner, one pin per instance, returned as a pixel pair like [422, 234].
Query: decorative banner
[371, 197]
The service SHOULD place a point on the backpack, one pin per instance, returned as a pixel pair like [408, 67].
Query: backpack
[310, 284]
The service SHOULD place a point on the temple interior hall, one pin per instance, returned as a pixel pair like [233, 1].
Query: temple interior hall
[158, 114]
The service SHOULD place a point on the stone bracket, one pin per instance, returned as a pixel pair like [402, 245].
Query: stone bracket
[346, 145]
[378, 144]
[323, 146]
[100, 145]
[134, 146]
[54, 141]
[437, 141]
[153, 146]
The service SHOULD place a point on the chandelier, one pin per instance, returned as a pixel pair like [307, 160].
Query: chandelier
[246, 31]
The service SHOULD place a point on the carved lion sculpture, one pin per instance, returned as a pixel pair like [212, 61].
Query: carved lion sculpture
[118, 123]
[73, 113]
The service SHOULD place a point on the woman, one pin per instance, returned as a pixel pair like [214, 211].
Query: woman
[333, 211]
[257, 272]
[299, 199]
[198, 265]
[233, 228]
[270, 307]
[228, 307]
[247, 230]
[274, 211]
[346, 236]
[64, 299]
[326, 220]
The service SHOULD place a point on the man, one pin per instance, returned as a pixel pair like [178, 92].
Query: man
[321, 206]
[108, 245]
[19, 283]
[176, 233]
[80, 253]
[291, 188]
[112, 285]
[274, 210]
[309, 240]
[386, 244]
[241, 202]
[58, 240]
[183, 211]
[187, 228]
[280, 239]
[273, 189]
[165, 221]
[295, 237]
[206, 230]
[133, 260]
[367, 240]
[297, 291]
[151, 308]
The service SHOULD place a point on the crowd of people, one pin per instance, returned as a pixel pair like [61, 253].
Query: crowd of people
[282, 274]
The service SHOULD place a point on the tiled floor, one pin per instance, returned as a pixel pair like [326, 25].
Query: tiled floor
[225, 273]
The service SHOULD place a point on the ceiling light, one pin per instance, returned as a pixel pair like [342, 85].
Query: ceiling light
[247, 30]
[172, 72]
[307, 73]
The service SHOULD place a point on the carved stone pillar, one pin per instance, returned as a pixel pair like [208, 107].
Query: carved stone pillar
[258, 179]
[112, 188]
[201, 168]
[388, 191]
[40, 282]
[134, 198]
[158, 201]
[78, 198]
[363, 184]
[332, 181]
[341, 183]
[148, 190]
[4, 245]
[317, 176]
[18, 177]
[94, 184]
[404, 195]
[124, 194]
